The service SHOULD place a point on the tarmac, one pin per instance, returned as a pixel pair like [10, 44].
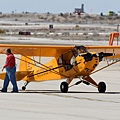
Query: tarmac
[44, 101]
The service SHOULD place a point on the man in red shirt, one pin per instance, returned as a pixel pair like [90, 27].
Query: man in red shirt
[10, 72]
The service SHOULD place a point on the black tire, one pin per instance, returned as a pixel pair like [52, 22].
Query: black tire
[23, 88]
[64, 87]
[101, 87]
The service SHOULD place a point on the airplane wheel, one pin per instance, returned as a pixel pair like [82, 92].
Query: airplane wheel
[101, 87]
[23, 88]
[64, 87]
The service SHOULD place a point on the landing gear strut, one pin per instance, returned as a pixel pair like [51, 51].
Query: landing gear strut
[64, 87]
[25, 84]
[101, 87]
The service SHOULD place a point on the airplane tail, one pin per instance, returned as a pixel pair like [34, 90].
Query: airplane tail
[26, 67]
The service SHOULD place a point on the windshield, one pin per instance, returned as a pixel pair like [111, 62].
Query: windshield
[80, 49]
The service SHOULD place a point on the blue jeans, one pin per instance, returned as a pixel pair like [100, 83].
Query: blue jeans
[10, 76]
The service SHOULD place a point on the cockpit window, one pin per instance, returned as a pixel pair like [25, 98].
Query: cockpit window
[65, 60]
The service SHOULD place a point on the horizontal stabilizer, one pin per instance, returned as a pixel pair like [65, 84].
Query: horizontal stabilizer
[19, 75]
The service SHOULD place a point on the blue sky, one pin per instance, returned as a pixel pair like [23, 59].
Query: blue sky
[57, 6]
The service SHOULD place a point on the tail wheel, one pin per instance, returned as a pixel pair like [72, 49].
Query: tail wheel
[101, 87]
[23, 88]
[64, 87]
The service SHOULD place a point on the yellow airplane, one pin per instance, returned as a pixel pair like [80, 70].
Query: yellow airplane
[69, 62]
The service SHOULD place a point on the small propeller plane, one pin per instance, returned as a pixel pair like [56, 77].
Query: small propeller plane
[69, 62]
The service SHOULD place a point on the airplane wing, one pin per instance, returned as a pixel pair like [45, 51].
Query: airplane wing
[106, 49]
[54, 51]
[36, 50]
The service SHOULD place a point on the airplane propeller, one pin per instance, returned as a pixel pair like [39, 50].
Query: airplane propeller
[101, 55]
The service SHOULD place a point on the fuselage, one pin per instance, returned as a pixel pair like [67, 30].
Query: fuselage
[83, 65]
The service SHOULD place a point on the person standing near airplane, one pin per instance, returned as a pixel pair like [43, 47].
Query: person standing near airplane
[10, 72]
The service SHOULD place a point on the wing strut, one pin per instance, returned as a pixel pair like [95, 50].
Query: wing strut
[52, 70]
[105, 66]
